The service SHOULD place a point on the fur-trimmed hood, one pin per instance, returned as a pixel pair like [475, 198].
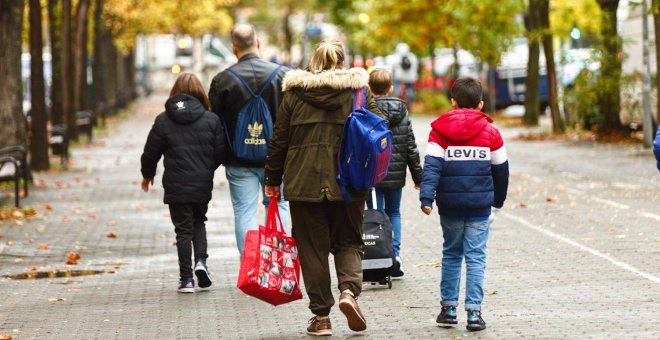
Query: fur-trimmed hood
[328, 90]
[353, 78]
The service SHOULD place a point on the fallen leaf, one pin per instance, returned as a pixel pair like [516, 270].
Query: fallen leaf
[111, 223]
[33, 268]
[19, 260]
[10, 243]
[110, 271]
[43, 246]
[41, 228]
[52, 299]
[48, 207]
[18, 222]
[5, 337]
[75, 198]
[436, 264]
[552, 199]
[72, 258]
[16, 214]
[65, 219]
[523, 205]
[139, 206]
[111, 235]
[30, 241]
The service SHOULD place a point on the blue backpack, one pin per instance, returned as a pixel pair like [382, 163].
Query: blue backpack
[254, 125]
[365, 149]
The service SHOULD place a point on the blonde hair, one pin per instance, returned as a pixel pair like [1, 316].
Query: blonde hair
[187, 83]
[328, 55]
[380, 81]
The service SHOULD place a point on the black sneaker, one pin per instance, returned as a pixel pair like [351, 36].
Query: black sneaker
[202, 273]
[397, 274]
[475, 322]
[447, 316]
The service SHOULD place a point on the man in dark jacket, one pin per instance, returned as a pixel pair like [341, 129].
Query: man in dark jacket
[227, 96]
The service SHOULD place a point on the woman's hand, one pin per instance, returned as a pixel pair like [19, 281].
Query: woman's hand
[273, 191]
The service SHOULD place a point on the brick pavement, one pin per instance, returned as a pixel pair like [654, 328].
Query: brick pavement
[536, 286]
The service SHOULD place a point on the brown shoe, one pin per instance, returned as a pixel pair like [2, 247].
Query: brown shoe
[349, 307]
[319, 327]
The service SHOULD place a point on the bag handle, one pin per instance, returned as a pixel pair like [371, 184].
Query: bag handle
[273, 216]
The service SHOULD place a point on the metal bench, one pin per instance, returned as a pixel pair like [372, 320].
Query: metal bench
[13, 166]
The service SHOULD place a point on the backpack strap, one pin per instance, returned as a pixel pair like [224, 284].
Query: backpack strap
[270, 78]
[359, 98]
[245, 84]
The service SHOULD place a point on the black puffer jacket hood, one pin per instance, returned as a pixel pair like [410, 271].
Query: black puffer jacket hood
[184, 109]
[193, 144]
[404, 148]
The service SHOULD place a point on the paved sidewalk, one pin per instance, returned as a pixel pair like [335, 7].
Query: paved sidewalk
[536, 286]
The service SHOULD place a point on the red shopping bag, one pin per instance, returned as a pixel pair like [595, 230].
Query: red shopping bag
[270, 267]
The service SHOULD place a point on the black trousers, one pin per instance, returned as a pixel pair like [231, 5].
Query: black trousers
[324, 228]
[190, 229]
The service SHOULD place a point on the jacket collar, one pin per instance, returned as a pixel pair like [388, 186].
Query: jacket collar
[248, 56]
[353, 78]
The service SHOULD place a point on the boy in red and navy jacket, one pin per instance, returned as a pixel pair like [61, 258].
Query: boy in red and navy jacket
[466, 172]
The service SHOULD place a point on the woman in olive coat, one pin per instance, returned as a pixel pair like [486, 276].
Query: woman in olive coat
[303, 153]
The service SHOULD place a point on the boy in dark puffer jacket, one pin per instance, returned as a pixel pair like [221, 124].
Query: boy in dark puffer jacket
[192, 141]
[404, 154]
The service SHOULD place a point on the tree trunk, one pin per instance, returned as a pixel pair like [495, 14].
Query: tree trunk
[288, 34]
[12, 126]
[532, 100]
[68, 87]
[82, 21]
[656, 26]
[100, 63]
[610, 80]
[38, 130]
[544, 16]
[55, 29]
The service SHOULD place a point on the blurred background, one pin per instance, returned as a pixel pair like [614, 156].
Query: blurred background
[578, 63]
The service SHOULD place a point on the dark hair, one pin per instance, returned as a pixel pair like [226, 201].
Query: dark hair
[188, 84]
[467, 92]
[244, 37]
[380, 81]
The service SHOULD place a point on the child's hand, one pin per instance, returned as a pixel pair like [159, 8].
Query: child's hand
[145, 184]
[416, 186]
[427, 210]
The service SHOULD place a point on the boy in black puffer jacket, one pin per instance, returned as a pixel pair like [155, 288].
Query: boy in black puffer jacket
[404, 154]
[192, 141]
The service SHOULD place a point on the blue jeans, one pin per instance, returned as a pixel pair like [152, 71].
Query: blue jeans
[244, 188]
[389, 200]
[463, 238]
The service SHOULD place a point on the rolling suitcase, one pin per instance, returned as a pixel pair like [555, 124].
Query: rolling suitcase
[379, 261]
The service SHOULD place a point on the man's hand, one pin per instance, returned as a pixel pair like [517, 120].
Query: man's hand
[145, 184]
[427, 210]
[273, 191]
